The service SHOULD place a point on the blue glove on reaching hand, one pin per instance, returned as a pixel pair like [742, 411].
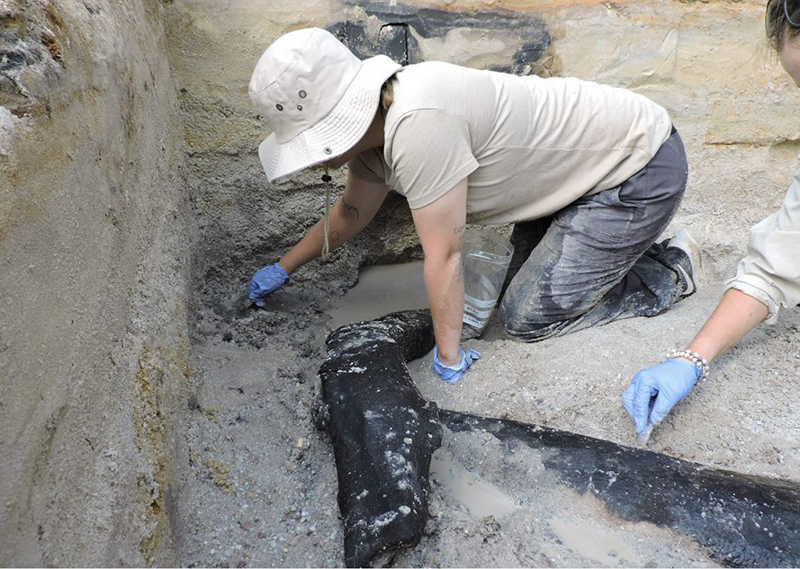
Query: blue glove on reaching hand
[451, 374]
[669, 382]
[265, 281]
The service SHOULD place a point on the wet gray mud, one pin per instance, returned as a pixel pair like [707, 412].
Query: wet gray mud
[262, 486]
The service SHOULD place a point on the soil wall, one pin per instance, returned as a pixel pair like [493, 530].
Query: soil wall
[93, 260]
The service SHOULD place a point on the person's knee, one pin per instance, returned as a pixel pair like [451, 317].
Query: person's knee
[510, 318]
[519, 323]
[530, 325]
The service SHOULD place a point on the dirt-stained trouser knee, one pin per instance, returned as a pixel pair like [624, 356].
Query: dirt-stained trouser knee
[596, 260]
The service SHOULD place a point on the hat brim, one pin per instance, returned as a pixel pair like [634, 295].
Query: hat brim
[337, 132]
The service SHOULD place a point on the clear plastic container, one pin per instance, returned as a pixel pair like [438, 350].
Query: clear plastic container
[485, 257]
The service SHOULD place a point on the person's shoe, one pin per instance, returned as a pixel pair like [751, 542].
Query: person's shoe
[692, 272]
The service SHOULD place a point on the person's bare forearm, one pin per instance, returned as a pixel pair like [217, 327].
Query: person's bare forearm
[440, 226]
[445, 285]
[344, 224]
[735, 316]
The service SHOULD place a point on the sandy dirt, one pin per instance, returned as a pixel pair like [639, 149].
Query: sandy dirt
[140, 404]
[267, 481]
[261, 486]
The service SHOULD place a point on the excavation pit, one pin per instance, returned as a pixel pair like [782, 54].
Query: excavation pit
[145, 422]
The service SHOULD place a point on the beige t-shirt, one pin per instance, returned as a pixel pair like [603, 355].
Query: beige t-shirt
[530, 146]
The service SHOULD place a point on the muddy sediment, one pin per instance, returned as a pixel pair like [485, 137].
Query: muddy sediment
[147, 419]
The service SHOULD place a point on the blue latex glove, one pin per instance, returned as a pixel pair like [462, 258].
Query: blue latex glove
[265, 281]
[451, 374]
[669, 382]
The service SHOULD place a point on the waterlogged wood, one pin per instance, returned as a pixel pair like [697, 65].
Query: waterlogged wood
[384, 433]
[743, 521]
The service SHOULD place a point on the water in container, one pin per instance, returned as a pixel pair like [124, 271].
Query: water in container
[485, 257]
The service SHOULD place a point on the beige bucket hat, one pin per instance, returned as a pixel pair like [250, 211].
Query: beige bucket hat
[318, 98]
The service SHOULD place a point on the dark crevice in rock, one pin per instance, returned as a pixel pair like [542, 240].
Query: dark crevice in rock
[396, 40]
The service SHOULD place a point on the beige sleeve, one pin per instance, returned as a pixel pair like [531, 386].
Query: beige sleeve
[429, 152]
[771, 271]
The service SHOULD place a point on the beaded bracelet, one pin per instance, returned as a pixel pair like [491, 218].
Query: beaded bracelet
[699, 361]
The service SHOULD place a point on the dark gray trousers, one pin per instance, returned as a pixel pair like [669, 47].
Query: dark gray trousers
[596, 260]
